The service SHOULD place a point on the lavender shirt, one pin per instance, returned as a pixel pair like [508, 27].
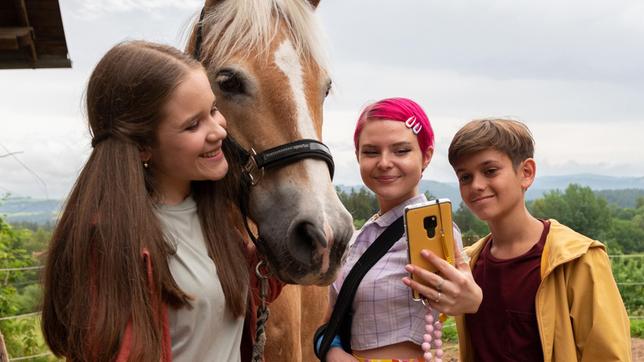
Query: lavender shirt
[384, 312]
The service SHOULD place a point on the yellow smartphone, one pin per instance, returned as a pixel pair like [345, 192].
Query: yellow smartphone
[428, 225]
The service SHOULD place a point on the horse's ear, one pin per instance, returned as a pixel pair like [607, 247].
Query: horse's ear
[314, 3]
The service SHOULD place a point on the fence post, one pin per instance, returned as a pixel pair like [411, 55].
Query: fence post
[4, 357]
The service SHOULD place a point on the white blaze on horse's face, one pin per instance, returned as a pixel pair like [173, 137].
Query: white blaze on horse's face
[288, 62]
[316, 172]
[270, 83]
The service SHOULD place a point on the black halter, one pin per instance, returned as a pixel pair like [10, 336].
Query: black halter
[254, 164]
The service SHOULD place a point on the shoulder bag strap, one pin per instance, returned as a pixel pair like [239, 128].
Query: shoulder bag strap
[343, 303]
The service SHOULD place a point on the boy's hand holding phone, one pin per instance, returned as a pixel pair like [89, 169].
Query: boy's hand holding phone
[429, 226]
[438, 268]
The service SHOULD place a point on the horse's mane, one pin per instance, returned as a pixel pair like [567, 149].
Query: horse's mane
[246, 27]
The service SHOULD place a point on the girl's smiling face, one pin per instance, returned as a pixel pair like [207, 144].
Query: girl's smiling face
[391, 162]
[189, 138]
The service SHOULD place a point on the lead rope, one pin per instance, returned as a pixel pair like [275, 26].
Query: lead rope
[262, 314]
[432, 336]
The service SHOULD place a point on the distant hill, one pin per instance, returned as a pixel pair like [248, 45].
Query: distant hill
[622, 191]
[442, 190]
[595, 182]
[435, 188]
[14, 209]
[622, 198]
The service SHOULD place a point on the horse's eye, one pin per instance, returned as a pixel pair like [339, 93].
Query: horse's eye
[230, 82]
[328, 88]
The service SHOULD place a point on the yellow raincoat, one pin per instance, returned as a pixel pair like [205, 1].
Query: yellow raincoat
[580, 313]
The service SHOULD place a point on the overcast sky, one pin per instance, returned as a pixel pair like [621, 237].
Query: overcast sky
[572, 70]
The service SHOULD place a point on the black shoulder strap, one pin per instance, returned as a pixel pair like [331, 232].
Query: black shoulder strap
[343, 303]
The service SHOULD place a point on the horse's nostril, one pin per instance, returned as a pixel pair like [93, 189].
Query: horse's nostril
[304, 239]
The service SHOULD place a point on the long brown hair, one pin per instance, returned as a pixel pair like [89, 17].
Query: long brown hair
[95, 277]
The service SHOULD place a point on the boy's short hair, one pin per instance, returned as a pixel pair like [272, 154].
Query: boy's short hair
[504, 135]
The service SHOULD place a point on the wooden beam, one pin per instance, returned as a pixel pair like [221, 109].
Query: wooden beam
[49, 62]
[9, 37]
[7, 43]
[15, 32]
[22, 12]
[18, 37]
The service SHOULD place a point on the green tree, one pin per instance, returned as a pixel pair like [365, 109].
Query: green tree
[19, 293]
[627, 234]
[361, 204]
[639, 203]
[578, 207]
[627, 230]
[471, 227]
[629, 274]
[429, 195]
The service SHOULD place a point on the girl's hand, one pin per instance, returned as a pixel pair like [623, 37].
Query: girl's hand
[337, 354]
[453, 292]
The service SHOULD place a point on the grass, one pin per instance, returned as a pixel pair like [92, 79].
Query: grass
[637, 328]
[449, 331]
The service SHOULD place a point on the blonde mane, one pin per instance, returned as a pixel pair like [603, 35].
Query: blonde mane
[244, 27]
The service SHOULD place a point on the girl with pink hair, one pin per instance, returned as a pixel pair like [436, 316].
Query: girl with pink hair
[394, 144]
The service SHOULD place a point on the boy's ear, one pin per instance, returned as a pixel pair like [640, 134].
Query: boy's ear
[528, 171]
[427, 157]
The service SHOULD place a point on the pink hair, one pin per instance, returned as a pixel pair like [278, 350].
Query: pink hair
[397, 109]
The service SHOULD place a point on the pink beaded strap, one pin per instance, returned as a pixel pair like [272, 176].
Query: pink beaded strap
[432, 337]
[362, 359]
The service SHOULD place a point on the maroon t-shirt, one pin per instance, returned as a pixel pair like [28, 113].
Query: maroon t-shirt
[505, 326]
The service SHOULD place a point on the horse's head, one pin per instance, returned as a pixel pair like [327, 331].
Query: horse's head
[268, 73]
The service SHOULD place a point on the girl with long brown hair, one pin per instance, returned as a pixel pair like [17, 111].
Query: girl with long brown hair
[144, 264]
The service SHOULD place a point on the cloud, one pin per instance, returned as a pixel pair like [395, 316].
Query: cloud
[571, 70]
[571, 40]
[97, 8]
[55, 155]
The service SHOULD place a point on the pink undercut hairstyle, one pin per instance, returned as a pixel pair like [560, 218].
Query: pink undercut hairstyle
[398, 109]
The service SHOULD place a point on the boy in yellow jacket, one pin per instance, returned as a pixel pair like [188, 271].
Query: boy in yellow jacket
[548, 291]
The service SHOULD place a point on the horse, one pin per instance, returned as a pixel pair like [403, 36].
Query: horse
[269, 73]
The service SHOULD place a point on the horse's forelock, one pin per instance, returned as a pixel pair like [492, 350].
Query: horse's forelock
[247, 28]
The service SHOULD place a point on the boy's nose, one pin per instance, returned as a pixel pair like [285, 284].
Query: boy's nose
[478, 183]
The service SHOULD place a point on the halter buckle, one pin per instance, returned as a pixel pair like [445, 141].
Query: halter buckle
[251, 168]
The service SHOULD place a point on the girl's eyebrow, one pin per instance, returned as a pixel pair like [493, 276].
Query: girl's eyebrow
[404, 143]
